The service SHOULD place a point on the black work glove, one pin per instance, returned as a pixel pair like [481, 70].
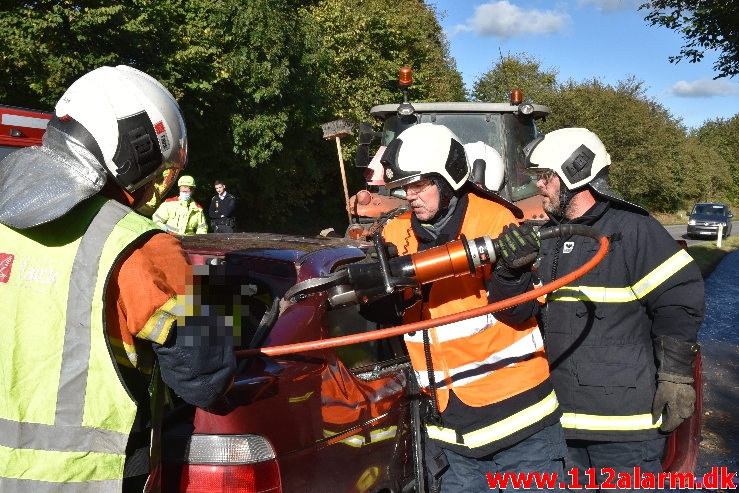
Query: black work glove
[675, 396]
[519, 246]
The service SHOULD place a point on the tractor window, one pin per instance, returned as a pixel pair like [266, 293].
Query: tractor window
[468, 127]
[519, 132]
[471, 127]
[394, 126]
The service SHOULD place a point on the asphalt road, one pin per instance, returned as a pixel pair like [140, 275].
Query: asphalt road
[719, 339]
[678, 231]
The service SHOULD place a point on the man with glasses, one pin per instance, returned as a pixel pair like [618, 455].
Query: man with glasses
[622, 342]
[491, 406]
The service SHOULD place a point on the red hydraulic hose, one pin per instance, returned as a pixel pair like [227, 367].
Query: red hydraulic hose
[427, 324]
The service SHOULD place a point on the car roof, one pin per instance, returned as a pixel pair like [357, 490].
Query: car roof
[229, 242]
[712, 204]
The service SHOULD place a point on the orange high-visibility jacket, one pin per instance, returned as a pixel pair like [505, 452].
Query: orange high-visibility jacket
[482, 359]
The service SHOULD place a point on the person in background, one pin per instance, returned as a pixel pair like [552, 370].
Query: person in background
[222, 210]
[491, 405]
[93, 293]
[182, 215]
[621, 341]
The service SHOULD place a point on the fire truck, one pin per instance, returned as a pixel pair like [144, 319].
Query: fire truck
[21, 127]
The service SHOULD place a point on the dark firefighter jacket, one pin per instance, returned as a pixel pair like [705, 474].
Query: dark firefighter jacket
[599, 329]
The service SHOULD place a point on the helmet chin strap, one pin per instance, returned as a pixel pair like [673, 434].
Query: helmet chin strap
[565, 196]
[446, 192]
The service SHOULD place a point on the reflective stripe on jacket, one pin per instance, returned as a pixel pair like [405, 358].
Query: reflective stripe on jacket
[486, 362]
[599, 330]
[65, 416]
[181, 217]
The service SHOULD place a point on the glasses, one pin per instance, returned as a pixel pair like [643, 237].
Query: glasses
[544, 175]
[417, 186]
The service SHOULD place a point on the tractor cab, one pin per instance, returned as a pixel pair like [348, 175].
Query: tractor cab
[494, 135]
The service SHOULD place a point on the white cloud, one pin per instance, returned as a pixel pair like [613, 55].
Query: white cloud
[612, 5]
[704, 88]
[504, 20]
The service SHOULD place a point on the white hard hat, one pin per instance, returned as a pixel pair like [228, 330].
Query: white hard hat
[577, 155]
[425, 149]
[481, 154]
[136, 127]
[579, 158]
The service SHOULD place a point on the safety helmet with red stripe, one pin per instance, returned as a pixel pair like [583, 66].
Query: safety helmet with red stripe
[130, 122]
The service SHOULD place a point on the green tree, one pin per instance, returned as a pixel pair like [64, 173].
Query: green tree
[254, 78]
[365, 42]
[361, 46]
[641, 136]
[721, 136]
[516, 71]
[705, 174]
[705, 25]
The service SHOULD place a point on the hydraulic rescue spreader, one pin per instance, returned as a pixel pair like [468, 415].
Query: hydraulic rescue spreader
[379, 276]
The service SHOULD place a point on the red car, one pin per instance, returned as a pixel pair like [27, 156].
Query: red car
[330, 420]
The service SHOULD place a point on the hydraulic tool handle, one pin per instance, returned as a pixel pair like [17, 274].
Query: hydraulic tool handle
[563, 230]
[464, 256]
[367, 282]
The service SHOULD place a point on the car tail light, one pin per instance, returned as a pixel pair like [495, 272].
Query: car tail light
[230, 463]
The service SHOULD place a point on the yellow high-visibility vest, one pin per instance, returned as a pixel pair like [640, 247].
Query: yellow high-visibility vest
[65, 415]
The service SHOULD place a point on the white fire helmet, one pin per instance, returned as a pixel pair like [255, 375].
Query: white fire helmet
[489, 162]
[579, 158]
[577, 155]
[425, 149]
[135, 123]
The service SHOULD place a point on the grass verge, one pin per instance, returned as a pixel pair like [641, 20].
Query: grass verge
[707, 255]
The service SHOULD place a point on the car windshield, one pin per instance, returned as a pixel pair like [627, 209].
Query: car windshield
[709, 210]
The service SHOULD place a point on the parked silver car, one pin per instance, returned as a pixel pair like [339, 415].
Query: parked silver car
[706, 218]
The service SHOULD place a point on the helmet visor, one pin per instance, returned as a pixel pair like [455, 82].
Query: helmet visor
[159, 187]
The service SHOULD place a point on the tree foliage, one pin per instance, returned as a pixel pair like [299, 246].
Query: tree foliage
[655, 163]
[720, 135]
[705, 25]
[254, 78]
[641, 136]
[515, 71]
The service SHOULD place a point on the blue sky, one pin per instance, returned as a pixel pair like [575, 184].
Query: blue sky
[585, 39]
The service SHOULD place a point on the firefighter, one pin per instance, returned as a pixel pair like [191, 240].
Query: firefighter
[222, 209]
[91, 293]
[491, 405]
[622, 342]
[181, 215]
